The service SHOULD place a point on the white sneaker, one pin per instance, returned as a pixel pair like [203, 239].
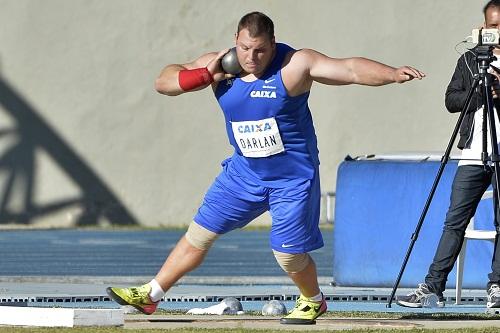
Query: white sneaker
[420, 297]
[493, 296]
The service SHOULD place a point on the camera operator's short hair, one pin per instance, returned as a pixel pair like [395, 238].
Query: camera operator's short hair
[491, 3]
[258, 24]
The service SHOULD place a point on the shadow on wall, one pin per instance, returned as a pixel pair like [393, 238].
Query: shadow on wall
[18, 162]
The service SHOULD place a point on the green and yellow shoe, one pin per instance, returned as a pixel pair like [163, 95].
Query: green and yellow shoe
[138, 297]
[305, 312]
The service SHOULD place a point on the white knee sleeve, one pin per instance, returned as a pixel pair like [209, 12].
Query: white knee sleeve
[292, 263]
[200, 237]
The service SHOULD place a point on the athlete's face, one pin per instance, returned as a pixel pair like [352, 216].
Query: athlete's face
[254, 53]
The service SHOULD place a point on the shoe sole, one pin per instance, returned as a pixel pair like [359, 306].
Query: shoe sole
[419, 305]
[295, 321]
[493, 305]
[409, 305]
[121, 301]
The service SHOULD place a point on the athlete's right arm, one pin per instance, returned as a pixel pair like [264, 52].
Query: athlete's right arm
[192, 76]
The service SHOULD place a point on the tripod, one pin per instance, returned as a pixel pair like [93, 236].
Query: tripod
[484, 57]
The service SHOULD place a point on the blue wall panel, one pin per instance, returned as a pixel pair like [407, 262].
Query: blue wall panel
[377, 207]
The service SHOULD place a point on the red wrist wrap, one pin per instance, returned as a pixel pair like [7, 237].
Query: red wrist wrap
[190, 79]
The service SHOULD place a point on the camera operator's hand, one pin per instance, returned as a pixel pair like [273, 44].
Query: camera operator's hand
[495, 87]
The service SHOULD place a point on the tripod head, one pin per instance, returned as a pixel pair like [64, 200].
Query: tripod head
[484, 57]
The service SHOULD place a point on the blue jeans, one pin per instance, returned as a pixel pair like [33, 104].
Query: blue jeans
[469, 184]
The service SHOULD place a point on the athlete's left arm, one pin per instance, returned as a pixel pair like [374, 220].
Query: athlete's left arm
[356, 70]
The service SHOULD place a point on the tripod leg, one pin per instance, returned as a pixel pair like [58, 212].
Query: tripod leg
[495, 158]
[444, 161]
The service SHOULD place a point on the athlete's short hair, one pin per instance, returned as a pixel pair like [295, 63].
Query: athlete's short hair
[258, 24]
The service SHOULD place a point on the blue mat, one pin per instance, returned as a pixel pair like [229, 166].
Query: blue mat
[378, 205]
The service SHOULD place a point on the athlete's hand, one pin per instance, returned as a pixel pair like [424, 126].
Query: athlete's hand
[215, 68]
[407, 73]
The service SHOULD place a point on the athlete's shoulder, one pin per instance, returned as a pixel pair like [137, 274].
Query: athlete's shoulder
[300, 57]
[296, 71]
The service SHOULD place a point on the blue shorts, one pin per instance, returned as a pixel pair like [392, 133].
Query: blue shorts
[233, 202]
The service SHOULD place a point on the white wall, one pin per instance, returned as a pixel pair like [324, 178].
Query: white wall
[87, 68]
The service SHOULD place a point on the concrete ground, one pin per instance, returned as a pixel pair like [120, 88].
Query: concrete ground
[322, 324]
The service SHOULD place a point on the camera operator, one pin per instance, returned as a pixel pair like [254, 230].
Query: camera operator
[471, 180]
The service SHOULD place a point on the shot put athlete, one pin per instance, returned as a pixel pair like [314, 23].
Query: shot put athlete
[275, 162]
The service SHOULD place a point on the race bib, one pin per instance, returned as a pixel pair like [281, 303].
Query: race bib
[260, 138]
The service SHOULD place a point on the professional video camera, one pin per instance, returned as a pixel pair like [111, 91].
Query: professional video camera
[488, 36]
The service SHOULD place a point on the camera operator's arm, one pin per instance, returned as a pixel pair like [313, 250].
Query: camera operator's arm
[459, 86]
